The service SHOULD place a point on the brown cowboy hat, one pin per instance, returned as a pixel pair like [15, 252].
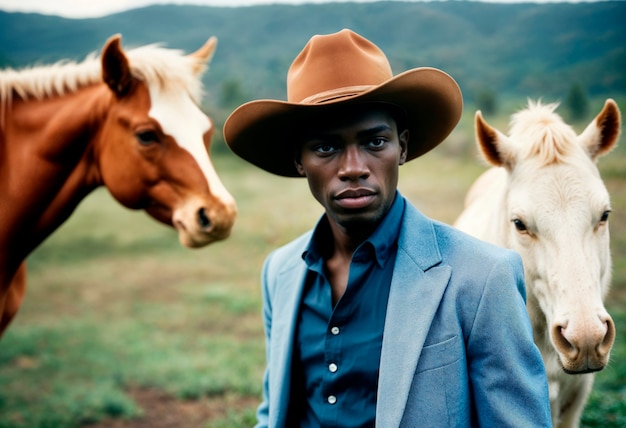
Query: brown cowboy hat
[339, 70]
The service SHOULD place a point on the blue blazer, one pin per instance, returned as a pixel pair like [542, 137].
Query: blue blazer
[457, 348]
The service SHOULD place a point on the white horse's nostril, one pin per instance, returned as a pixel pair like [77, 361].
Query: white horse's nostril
[609, 337]
[562, 343]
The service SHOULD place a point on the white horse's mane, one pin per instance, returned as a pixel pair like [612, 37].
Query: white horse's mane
[542, 133]
[155, 65]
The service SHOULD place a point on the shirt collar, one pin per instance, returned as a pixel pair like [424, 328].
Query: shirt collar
[380, 243]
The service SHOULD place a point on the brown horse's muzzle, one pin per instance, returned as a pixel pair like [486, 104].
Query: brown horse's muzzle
[200, 222]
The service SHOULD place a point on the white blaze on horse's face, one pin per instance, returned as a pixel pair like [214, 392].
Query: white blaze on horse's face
[181, 119]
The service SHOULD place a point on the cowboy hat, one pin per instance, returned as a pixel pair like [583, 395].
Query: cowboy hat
[339, 70]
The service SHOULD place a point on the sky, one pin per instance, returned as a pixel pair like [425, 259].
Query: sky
[97, 8]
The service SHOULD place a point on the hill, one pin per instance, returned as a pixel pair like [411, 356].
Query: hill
[526, 50]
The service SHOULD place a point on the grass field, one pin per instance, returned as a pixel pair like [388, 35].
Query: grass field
[123, 327]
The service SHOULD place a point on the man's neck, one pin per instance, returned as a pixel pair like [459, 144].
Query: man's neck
[344, 242]
[347, 239]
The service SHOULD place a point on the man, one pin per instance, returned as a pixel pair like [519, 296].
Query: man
[381, 316]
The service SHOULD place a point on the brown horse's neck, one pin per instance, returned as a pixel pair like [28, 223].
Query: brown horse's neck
[46, 165]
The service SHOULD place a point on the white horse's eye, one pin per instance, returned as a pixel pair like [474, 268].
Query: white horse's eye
[603, 222]
[519, 225]
[605, 216]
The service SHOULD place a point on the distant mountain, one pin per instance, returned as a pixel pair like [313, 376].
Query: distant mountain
[511, 49]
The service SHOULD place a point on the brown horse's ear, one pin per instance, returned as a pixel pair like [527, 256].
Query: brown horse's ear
[115, 69]
[204, 55]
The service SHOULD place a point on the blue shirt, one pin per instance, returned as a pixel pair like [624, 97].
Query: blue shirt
[335, 374]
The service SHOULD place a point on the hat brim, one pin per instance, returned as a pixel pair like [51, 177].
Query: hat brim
[261, 131]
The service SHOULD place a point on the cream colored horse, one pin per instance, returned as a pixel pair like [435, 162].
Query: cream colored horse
[544, 198]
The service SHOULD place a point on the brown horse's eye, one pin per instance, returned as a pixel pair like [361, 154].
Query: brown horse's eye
[147, 137]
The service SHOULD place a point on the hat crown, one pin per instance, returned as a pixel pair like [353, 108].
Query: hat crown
[336, 65]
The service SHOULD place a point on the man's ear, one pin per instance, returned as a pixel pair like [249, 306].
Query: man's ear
[299, 167]
[403, 138]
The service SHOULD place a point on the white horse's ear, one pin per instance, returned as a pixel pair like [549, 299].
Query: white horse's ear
[602, 134]
[493, 144]
[204, 55]
[115, 69]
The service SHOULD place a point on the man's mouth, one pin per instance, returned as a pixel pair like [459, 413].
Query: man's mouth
[355, 198]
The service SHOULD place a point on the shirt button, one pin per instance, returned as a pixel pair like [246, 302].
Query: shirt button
[332, 367]
[332, 399]
[335, 330]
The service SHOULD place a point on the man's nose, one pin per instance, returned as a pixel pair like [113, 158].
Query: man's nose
[353, 164]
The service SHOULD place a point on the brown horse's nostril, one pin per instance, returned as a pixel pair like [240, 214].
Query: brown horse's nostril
[203, 219]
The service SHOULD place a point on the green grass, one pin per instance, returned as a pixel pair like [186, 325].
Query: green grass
[114, 303]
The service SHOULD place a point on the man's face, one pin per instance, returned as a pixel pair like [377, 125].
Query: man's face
[351, 163]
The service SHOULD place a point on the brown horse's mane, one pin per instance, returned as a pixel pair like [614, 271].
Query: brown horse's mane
[165, 68]
[542, 133]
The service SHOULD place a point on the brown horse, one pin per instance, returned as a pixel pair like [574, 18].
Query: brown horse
[129, 121]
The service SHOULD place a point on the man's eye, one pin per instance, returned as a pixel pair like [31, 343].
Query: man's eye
[376, 143]
[325, 148]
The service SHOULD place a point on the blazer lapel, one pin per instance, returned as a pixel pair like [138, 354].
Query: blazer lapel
[417, 287]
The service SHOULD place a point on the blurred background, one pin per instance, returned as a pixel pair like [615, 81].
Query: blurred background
[123, 327]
